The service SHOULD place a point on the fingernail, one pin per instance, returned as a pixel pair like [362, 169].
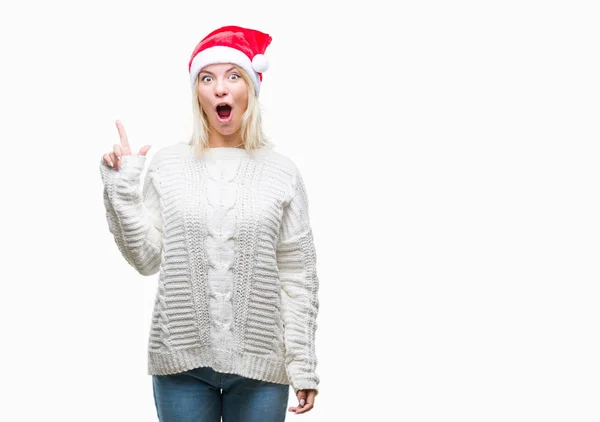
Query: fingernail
[119, 157]
[302, 402]
[110, 163]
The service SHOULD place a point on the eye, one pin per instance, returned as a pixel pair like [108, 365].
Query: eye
[206, 78]
[234, 76]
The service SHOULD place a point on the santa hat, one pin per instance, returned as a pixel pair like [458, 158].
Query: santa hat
[232, 44]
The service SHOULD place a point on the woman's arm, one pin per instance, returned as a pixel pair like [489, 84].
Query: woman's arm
[135, 220]
[296, 260]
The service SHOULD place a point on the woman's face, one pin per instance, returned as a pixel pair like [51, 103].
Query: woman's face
[223, 95]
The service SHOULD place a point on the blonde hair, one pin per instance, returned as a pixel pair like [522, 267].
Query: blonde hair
[253, 136]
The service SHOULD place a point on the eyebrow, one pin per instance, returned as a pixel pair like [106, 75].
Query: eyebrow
[228, 70]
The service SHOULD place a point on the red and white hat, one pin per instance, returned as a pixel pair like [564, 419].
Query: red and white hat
[232, 44]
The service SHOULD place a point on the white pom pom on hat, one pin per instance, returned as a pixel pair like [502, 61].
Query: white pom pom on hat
[260, 63]
[232, 44]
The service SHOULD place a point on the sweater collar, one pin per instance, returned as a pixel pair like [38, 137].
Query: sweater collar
[230, 153]
[224, 153]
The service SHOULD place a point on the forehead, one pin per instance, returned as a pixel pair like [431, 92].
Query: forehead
[217, 67]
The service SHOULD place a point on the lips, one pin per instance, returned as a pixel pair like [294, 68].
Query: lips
[223, 112]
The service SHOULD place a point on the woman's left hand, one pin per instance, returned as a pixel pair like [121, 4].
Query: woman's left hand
[306, 398]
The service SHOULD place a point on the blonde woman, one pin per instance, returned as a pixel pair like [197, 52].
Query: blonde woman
[223, 220]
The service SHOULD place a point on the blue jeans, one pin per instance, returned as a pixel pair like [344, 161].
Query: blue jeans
[196, 396]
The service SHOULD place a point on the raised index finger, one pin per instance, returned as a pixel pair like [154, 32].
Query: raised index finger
[123, 135]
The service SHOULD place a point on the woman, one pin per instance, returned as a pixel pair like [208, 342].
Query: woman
[223, 220]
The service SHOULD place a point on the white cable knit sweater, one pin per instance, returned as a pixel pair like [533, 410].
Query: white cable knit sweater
[230, 237]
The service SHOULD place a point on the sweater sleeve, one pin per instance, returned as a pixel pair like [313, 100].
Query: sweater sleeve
[134, 217]
[296, 261]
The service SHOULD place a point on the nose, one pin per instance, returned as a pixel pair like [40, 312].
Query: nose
[220, 88]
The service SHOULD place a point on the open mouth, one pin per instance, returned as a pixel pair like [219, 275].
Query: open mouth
[224, 111]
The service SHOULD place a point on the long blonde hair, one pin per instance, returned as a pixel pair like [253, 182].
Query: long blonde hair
[253, 136]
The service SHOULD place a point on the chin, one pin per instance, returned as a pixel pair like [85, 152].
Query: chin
[227, 130]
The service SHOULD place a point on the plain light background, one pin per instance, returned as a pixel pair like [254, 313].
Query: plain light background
[450, 153]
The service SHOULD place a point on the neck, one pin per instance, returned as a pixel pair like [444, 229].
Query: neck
[218, 140]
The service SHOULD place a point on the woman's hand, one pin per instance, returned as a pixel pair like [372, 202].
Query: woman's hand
[306, 399]
[113, 158]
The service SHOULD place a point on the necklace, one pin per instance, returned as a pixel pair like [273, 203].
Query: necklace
[229, 147]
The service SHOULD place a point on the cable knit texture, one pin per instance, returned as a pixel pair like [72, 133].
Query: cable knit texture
[230, 238]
